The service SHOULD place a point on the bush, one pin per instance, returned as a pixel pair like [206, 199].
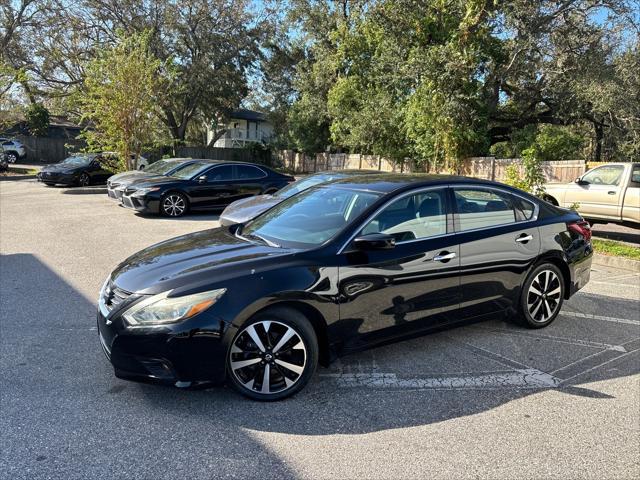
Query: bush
[37, 117]
[532, 178]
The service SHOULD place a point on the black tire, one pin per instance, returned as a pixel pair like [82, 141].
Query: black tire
[270, 191]
[12, 157]
[551, 200]
[174, 205]
[84, 180]
[542, 296]
[299, 351]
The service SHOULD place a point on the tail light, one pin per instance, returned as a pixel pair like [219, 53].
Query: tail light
[582, 228]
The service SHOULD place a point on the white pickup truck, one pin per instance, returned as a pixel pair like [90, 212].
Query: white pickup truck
[607, 193]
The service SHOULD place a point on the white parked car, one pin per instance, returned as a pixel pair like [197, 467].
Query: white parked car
[607, 193]
[14, 149]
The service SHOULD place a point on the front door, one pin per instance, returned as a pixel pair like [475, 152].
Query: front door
[598, 195]
[498, 243]
[215, 188]
[414, 286]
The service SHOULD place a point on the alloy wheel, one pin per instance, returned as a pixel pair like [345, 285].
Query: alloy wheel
[544, 295]
[268, 357]
[174, 205]
[84, 180]
[12, 158]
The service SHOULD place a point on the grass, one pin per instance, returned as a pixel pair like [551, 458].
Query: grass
[617, 249]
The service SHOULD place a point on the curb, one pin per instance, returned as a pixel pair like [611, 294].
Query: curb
[85, 191]
[617, 262]
[9, 178]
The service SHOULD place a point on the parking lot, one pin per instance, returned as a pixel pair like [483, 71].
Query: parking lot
[487, 400]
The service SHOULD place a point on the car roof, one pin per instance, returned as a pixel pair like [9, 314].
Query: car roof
[391, 182]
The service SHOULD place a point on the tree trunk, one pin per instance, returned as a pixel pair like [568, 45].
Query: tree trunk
[597, 154]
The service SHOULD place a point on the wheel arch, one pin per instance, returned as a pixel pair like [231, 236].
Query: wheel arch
[315, 317]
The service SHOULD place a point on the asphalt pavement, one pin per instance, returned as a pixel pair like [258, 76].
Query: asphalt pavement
[490, 400]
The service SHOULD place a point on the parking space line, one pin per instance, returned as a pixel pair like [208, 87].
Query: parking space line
[553, 338]
[522, 378]
[625, 321]
[617, 357]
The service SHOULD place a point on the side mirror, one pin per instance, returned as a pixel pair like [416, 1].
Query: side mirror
[202, 179]
[374, 241]
[579, 181]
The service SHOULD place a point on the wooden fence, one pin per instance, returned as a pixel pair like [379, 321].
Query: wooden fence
[48, 150]
[489, 168]
[227, 154]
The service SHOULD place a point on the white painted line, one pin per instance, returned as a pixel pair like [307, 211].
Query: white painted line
[600, 317]
[600, 365]
[525, 378]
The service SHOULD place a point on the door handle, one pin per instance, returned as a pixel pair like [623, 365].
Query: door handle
[524, 238]
[611, 193]
[444, 256]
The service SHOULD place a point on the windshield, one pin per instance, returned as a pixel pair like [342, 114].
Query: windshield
[190, 171]
[310, 218]
[161, 167]
[305, 183]
[77, 160]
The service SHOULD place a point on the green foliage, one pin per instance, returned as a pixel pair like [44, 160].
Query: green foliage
[528, 175]
[37, 119]
[556, 143]
[119, 99]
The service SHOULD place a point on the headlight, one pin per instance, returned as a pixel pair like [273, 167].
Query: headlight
[160, 309]
[143, 191]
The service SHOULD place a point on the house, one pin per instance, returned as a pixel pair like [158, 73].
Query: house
[244, 126]
[59, 127]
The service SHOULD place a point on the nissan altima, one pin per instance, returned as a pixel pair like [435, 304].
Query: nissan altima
[202, 185]
[335, 269]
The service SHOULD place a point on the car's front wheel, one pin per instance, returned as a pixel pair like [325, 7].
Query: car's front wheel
[174, 204]
[542, 296]
[12, 157]
[273, 356]
[84, 180]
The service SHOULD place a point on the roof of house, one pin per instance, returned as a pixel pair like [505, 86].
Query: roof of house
[251, 115]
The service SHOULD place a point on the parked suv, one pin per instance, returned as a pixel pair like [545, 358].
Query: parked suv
[14, 149]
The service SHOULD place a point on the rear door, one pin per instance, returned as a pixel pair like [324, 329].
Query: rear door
[250, 180]
[499, 241]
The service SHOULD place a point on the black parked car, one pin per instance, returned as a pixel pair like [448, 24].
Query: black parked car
[82, 169]
[334, 269]
[241, 211]
[118, 183]
[202, 185]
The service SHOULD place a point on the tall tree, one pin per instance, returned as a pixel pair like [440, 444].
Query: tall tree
[119, 98]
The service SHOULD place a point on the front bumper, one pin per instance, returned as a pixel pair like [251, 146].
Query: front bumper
[59, 178]
[114, 194]
[140, 204]
[162, 355]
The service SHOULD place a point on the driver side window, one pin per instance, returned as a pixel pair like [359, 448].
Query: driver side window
[417, 216]
[605, 175]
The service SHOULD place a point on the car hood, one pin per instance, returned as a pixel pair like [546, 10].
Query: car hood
[130, 175]
[193, 261]
[59, 168]
[244, 210]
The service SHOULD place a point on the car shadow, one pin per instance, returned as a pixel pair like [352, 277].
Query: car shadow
[56, 384]
[196, 216]
[629, 236]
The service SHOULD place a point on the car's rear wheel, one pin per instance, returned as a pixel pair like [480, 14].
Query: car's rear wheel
[542, 296]
[174, 204]
[84, 180]
[273, 356]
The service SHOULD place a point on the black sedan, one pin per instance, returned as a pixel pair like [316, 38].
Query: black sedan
[81, 169]
[241, 211]
[335, 269]
[118, 183]
[202, 185]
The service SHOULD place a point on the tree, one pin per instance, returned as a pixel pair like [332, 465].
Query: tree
[119, 98]
[37, 119]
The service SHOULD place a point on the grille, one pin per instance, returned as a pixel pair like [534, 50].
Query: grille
[114, 296]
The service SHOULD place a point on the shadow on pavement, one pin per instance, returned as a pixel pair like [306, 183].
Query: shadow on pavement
[63, 410]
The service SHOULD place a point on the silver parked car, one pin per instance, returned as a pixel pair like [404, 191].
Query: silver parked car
[243, 210]
[13, 149]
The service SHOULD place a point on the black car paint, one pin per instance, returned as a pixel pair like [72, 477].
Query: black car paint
[203, 195]
[60, 173]
[354, 299]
